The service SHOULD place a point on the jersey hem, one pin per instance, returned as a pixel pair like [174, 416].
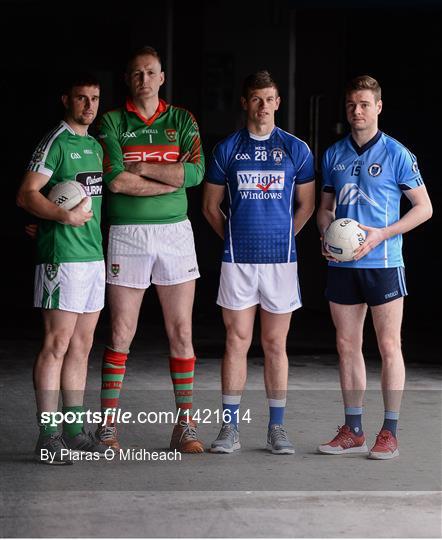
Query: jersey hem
[121, 221]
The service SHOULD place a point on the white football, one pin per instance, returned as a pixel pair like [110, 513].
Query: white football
[68, 194]
[343, 237]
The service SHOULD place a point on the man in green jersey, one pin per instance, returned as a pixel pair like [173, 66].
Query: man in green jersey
[70, 274]
[152, 153]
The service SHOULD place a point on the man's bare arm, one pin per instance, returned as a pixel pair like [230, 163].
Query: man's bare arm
[305, 204]
[128, 183]
[213, 196]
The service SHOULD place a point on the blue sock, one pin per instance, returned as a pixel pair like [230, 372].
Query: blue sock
[231, 409]
[276, 410]
[390, 421]
[353, 419]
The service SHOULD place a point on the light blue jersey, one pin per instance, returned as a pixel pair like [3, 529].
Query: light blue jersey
[260, 174]
[368, 182]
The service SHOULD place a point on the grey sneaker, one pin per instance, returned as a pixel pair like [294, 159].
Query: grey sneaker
[278, 441]
[85, 442]
[52, 450]
[227, 440]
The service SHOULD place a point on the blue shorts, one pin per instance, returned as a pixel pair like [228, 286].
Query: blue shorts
[372, 286]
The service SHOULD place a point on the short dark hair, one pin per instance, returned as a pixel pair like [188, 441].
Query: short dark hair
[79, 78]
[256, 81]
[145, 50]
[364, 82]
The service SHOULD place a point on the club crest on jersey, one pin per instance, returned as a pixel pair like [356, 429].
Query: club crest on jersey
[170, 134]
[115, 269]
[37, 156]
[375, 169]
[277, 155]
[415, 167]
[51, 270]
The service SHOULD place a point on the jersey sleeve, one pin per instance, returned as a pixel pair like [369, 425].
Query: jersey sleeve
[46, 158]
[216, 172]
[406, 169]
[190, 144]
[306, 172]
[112, 153]
[327, 183]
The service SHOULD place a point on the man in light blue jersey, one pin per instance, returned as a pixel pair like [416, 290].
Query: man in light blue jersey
[268, 175]
[364, 177]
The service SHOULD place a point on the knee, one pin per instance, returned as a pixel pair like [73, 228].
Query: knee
[273, 347]
[347, 345]
[122, 335]
[56, 345]
[390, 348]
[237, 340]
[81, 346]
[180, 335]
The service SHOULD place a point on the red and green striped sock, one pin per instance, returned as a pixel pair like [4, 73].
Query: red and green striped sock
[112, 375]
[181, 371]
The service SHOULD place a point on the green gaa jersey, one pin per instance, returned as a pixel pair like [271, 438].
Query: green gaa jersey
[170, 135]
[63, 155]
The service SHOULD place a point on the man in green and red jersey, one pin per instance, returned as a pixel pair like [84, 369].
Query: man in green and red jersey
[152, 153]
[70, 274]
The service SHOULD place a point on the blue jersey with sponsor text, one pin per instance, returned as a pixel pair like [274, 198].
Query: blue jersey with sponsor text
[368, 182]
[260, 174]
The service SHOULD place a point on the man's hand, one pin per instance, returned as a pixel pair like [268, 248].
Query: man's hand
[325, 251]
[31, 230]
[77, 217]
[374, 237]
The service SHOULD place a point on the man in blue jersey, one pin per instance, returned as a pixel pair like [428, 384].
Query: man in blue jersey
[269, 177]
[364, 177]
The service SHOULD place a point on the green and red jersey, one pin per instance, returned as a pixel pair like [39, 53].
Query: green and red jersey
[63, 155]
[170, 135]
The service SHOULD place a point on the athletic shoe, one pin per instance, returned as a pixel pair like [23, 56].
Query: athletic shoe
[54, 444]
[227, 440]
[278, 441]
[85, 442]
[345, 442]
[108, 435]
[184, 438]
[385, 446]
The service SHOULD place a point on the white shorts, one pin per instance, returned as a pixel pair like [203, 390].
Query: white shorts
[274, 286]
[162, 254]
[77, 286]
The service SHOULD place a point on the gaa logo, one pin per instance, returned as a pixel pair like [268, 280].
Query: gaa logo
[277, 155]
[51, 270]
[170, 134]
[115, 269]
[375, 169]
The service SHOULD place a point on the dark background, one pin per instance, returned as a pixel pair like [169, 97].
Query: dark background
[311, 48]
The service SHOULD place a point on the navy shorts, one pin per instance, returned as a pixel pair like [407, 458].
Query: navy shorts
[372, 286]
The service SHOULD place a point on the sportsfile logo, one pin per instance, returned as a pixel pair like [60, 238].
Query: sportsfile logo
[260, 184]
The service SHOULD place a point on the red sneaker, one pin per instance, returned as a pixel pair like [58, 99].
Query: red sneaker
[345, 442]
[385, 446]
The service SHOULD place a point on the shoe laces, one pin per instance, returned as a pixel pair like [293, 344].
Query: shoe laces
[278, 431]
[107, 433]
[384, 438]
[226, 431]
[189, 431]
[343, 433]
[56, 441]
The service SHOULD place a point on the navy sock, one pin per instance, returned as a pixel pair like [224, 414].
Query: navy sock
[231, 409]
[276, 411]
[353, 419]
[390, 421]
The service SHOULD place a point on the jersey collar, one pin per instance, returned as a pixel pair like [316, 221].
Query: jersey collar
[162, 107]
[361, 149]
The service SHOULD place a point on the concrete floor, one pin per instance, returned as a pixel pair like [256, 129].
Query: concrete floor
[249, 494]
